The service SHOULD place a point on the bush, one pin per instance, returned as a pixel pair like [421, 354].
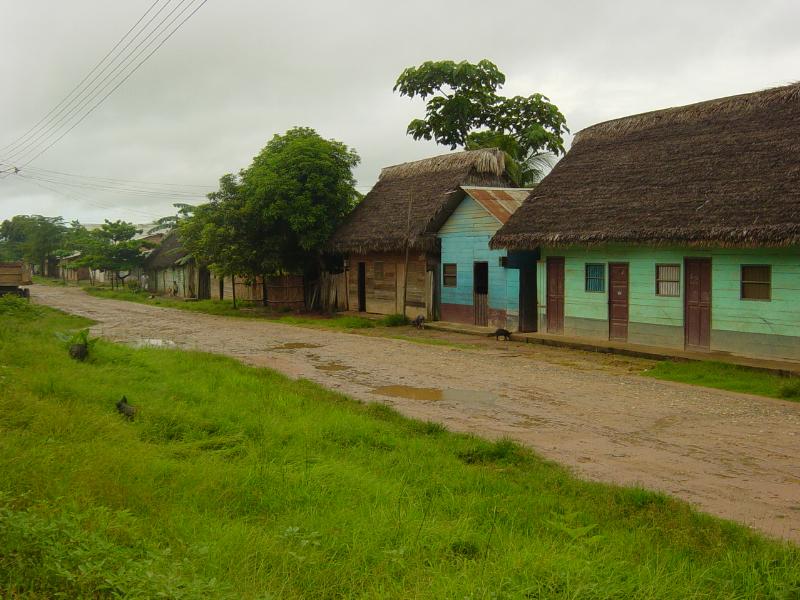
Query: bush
[11, 304]
[395, 320]
[133, 286]
[791, 389]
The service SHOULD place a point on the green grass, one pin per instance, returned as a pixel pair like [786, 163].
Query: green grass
[250, 310]
[728, 377]
[236, 482]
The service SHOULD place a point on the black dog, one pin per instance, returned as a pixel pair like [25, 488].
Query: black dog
[419, 322]
[502, 333]
[126, 409]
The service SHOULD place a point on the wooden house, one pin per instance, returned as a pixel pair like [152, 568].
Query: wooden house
[402, 215]
[170, 270]
[677, 228]
[479, 286]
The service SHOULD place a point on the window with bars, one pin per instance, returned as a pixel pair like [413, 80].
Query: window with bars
[450, 275]
[377, 270]
[756, 282]
[668, 280]
[595, 277]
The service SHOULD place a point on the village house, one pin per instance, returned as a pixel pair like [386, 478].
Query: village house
[677, 228]
[170, 270]
[479, 286]
[400, 217]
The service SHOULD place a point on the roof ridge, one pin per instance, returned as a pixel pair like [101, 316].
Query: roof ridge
[690, 112]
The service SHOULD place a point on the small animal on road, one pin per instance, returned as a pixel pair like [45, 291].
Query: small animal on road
[126, 409]
[502, 333]
[419, 322]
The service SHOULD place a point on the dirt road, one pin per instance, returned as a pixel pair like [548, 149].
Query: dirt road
[732, 455]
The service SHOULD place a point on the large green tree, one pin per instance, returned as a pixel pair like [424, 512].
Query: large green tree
[112, 248]
[463, 109]
[277, 214]
[33, 238]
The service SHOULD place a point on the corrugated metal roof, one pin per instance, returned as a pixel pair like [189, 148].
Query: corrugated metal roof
[499, 202]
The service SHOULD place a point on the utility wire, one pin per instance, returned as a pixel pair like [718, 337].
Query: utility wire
[126, 77]
[44, 136]
[124, 190]
[90, 202]
[15, 143]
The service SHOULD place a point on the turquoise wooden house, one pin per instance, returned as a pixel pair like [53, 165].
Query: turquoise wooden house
[678, 228]
[478, 285]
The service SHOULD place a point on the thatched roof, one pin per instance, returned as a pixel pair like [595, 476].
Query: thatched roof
[168, 253]
[381, 222]
[724, 172]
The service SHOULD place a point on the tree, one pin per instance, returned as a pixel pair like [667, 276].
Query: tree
[276, 215]
[33, 238]
[111, 248]
[463, 109]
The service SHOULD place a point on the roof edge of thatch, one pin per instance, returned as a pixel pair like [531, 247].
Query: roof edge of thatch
[486, 160]
[425, 243]
[691, 112]
[765, 236]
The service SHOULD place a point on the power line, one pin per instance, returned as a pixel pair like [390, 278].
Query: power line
[90, 202]
[62, 119]
[114, 180]
[124, 79]
[124, 190]
[80, 83]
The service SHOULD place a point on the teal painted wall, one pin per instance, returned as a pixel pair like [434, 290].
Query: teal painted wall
[465, 240]
[663, 316]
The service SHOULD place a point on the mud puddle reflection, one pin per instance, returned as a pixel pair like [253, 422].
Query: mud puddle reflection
[435, 394]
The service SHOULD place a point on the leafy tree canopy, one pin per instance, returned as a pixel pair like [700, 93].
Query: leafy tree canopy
[33, 238]
[277, 214]
[463, 109]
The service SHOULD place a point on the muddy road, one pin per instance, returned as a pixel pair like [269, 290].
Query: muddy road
[733, 455]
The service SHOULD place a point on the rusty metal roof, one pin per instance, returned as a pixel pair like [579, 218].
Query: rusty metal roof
[499, 202]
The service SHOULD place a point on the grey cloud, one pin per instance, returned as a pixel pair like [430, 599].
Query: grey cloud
[239, 72]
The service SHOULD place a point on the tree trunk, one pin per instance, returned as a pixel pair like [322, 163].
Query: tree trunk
[233, 287]
[264, 300]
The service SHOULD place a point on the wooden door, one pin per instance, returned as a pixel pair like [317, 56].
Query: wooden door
[697, 303]
[555, 294]
[528, 317]
[204, 284]
[480, 293]
[618, 301]
[362, 287]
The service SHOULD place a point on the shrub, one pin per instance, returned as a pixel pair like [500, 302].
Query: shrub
[395, 320]
[11, 304]
[791, 389]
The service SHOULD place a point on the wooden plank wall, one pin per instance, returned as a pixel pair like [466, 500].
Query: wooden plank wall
[384, 285]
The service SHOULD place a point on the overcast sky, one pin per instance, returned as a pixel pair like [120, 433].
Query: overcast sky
[240, 71]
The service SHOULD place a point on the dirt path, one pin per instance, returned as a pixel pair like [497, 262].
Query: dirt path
[733, 455]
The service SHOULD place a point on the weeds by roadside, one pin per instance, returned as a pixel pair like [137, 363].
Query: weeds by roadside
[235, 481]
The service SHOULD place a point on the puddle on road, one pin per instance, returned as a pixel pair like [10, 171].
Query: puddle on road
[295, 346]
[153, 343]
[331, 366]
[433, 394]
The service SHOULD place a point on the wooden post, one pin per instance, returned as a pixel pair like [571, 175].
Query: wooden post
[233, 287]
[408, 243]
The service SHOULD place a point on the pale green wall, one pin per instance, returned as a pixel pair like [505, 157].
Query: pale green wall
[659, 319]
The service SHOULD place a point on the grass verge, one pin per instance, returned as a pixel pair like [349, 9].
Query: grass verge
[235, 482]
[725, 376]
[250, 310]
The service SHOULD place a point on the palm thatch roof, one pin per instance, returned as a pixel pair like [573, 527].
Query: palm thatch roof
[381, 223]
[724, 172]
[168, 253]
